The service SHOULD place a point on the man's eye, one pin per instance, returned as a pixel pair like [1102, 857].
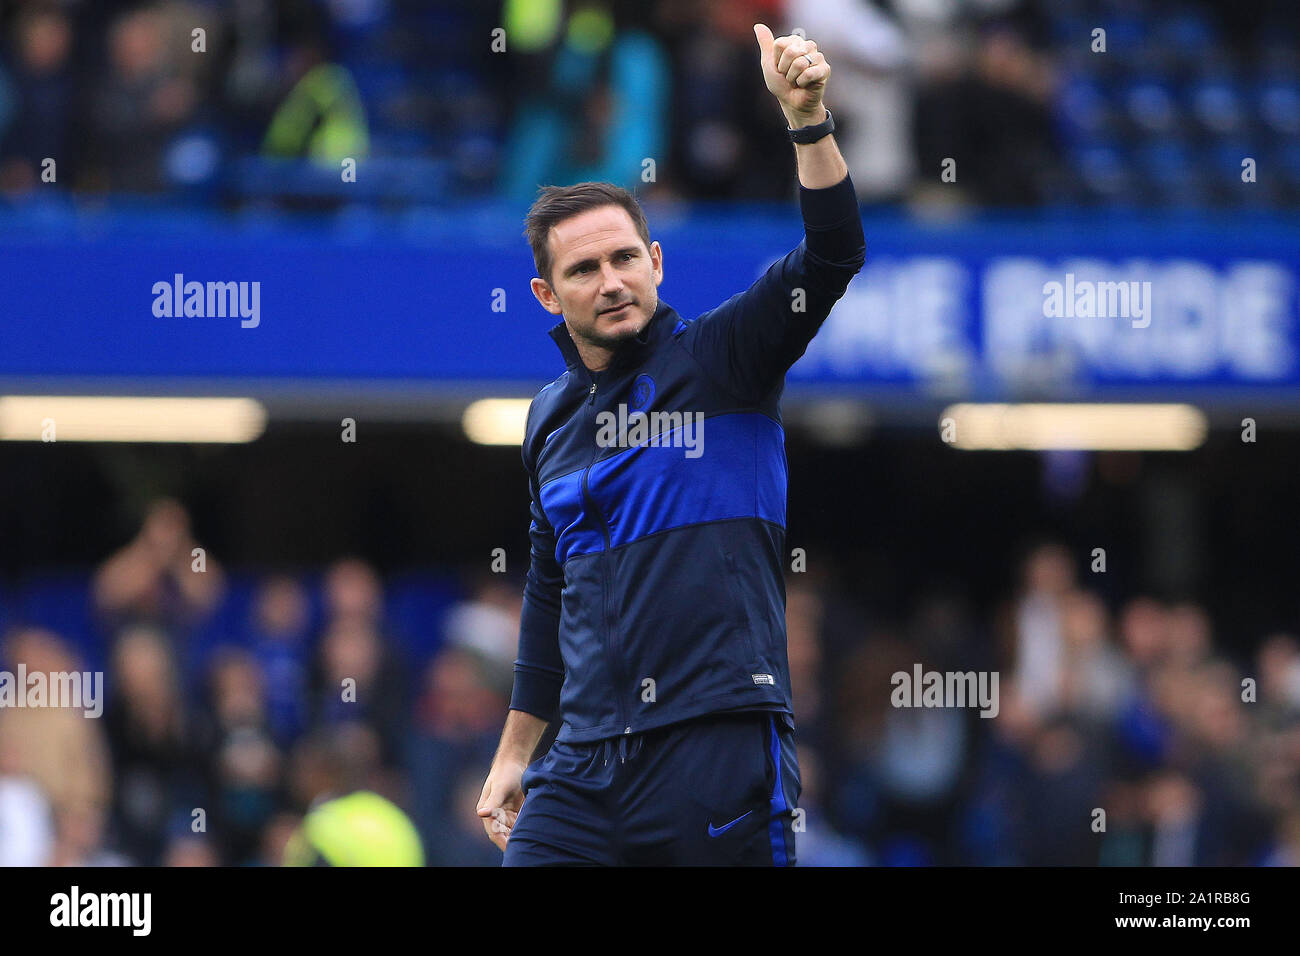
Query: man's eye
[629, 255]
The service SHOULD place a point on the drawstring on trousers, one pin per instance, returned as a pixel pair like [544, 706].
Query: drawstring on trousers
[623, 750]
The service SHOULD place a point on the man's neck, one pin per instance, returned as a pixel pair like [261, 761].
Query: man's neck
[596, 358]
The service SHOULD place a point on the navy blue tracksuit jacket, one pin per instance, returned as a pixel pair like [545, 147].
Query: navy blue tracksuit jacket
[649, 564]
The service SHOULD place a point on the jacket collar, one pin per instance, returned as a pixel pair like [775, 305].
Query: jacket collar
[632, 352]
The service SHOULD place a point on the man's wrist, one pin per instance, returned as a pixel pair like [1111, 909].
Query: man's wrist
[519, 738]
[511, 760]
[512, 751]
[800, 120]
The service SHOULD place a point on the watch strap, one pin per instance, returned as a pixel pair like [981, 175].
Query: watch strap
[810, 134]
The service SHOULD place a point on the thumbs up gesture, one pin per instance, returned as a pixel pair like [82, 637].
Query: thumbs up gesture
[795, 73]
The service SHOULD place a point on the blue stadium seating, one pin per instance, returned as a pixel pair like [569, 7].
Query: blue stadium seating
[416, 604]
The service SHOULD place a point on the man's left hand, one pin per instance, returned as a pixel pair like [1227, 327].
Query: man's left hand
[795, 73]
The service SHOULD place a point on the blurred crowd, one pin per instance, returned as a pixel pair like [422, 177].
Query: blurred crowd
[1122, 736]
[1007, 103]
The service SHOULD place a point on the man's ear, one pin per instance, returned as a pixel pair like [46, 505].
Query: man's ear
[546, 296]
[657, 261]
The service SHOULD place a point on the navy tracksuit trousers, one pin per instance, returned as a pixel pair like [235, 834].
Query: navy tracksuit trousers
[720, 790]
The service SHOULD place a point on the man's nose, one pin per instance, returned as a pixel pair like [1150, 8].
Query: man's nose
[610, 281]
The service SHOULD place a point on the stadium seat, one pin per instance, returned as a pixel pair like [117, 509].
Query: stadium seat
[1218, 104]
[1188, 35]
[416, 604]
[1150, 104]
[1169, 171]
[1277, 102]
[1084, 109]
[1106, 173]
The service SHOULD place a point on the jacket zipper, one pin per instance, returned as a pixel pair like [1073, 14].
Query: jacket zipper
[615, 669]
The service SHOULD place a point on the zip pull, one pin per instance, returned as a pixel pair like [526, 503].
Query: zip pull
[592, 393]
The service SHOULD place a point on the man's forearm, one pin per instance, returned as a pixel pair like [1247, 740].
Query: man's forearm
[820, 163]
[520, 737]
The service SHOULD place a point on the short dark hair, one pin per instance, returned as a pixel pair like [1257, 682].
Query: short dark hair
[555, 204]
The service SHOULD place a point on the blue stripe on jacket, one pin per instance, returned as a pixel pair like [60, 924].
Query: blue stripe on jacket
[644, 490]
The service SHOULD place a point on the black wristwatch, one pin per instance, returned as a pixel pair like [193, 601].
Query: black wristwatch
[810, 134]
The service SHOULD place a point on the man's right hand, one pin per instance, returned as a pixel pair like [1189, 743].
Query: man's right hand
[501, 800]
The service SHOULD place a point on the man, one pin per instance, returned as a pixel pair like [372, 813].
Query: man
[654, 611]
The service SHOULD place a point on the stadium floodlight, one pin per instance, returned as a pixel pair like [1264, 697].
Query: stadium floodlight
[124, 418]
[1074, 426]
[496, 421]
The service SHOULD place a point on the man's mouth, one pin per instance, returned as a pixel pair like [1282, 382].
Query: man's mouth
[617, 308]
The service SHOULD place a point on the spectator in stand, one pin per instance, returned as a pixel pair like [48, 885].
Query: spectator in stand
[1189, 638]
[157, 764]
[62, 749]
[1143, 734]
[45, 96]
[353, 593]
[279, 633]
[458, 721]
[990, 114]
[726, 141]
[1064, 784]
[359, 678]
[604, 110]
[82, 839]
[1176, 816]
[153, 580]
[26, 824]
[356, 646]
[1144, 629]
[150, 93]
[322, 117]
[818, 843]
[241, 754]
[350, 816]
[1095, 678]
[873, 103]
[1039, 643]
[487, 625]
[1278, 666]
[995, 829]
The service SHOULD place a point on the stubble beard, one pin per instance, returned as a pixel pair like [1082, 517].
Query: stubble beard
[615, 341]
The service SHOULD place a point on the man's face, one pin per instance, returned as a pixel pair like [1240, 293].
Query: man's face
[604, 280]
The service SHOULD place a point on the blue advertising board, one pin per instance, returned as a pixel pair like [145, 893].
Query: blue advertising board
[1067, 308]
